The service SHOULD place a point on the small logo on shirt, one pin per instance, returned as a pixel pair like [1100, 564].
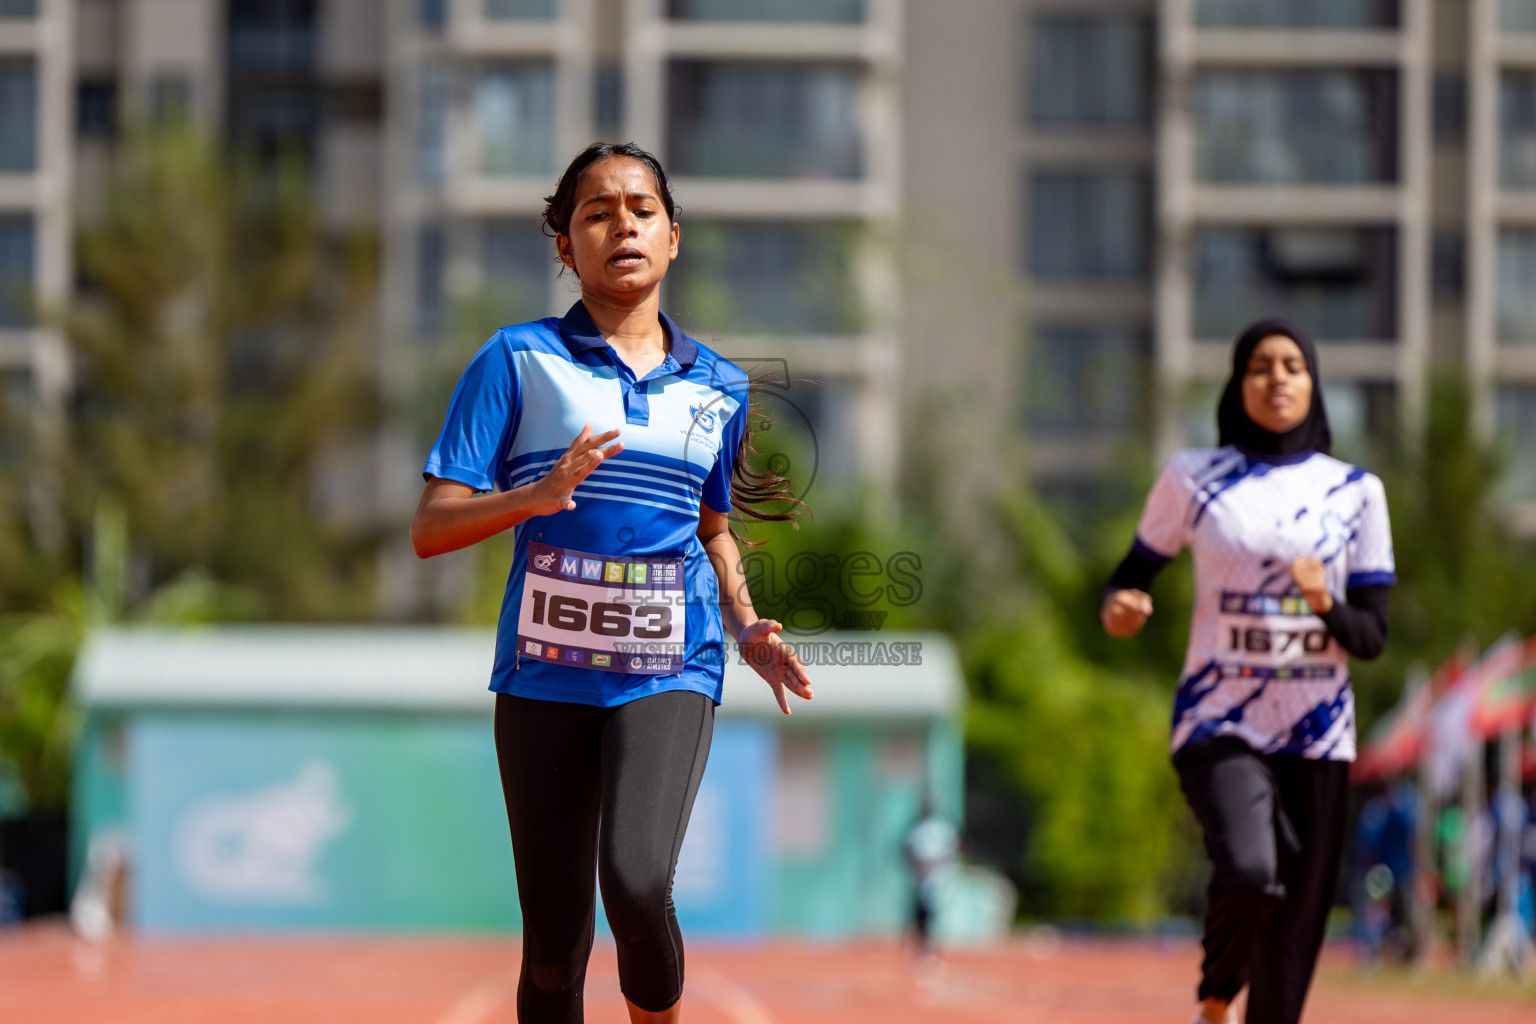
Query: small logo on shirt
[602, 660]
[570, 565]
[576, 656]
[614, 573]
[533, 648]
[635, 663]
[552, 652]
[706, 420]
[637, 573]
[591, 568]
[544, 562]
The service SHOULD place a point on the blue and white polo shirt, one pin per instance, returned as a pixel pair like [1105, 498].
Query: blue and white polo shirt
[614, 599]
[1260, 665]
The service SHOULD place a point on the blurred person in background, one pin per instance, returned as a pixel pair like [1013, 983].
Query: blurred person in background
[930, 844]
[1372, 883]
[1527, 901]
[626, 574]
[1293, 564]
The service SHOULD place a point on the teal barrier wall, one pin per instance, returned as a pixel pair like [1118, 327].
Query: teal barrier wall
[271, 822]
[273, 803]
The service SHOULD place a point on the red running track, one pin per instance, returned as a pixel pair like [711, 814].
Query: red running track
[47, 975]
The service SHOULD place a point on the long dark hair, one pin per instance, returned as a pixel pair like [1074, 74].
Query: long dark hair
[756, 493]
[761, 493]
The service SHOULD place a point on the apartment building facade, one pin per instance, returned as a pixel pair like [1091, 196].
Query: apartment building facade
[36, 70]
[1037, 219]
[1362, 166]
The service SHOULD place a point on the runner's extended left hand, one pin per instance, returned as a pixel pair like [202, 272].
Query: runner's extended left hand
[775, 661]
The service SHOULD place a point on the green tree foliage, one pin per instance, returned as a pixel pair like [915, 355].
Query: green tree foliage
[1073, 727]
[37, 652]
[38, 649]
[1462, 574]
[222, 352]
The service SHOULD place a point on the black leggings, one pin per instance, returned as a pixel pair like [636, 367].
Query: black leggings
[605, 791]
[1274, 829]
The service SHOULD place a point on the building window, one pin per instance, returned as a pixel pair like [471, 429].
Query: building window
[1515, 419]
[1335, 14]
[1448, 265]
[17, 259]
[1517, 130]
[18, 114]
[273, 92]
[608, 101]
[1090, 225]
[1517, 15]
[1450, 109]
[515, 260]
[515, 111]
[1091, 70]
[765, 120]
[1360, 414]
[1086, 383]
[273, 37]
[1517, 286]
[843, 11]
[1338, 283]
[815, 438]
[18, 8]
[432, 15]
[753, 277]
[1324, 127]
[431, 279]
[96, 108]
[520, 10]
[434, 94]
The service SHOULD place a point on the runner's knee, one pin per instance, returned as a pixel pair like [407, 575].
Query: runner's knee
[636, 896]
[1251, 875]
[553, 976]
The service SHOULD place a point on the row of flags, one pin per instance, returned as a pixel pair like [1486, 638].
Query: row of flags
[1446, 716]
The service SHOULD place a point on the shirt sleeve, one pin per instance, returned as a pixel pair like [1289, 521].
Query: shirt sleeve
[1369, 551]
[1359, 622]
[481, 421]
[717, 486]
[1164, 527]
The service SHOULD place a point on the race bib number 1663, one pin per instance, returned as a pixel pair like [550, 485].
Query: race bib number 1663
[601, 612]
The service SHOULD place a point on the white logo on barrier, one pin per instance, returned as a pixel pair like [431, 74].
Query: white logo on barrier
[262, 846]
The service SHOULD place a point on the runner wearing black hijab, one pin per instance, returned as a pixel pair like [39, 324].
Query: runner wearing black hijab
[1264, 723]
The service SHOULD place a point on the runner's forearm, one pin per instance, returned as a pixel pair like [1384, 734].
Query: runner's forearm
[450, 521]
[736, 611]
[1359, 622]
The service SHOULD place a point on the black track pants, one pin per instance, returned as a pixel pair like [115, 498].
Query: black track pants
[605, 791]
[1274, 829]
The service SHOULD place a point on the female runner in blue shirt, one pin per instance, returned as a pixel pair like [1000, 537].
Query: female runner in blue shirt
[610, 647]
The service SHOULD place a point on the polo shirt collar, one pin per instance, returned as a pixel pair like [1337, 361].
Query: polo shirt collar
[581, 335]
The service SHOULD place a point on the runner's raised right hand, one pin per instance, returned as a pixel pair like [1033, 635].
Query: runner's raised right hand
[578, 461]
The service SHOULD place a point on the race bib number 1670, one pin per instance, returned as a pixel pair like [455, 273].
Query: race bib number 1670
[600, 612]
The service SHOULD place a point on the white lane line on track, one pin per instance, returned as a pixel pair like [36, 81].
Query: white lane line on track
[476, 1005]
[730, 998]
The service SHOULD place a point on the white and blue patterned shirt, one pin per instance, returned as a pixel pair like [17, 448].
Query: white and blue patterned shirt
[519, 405]
[1261, 665]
